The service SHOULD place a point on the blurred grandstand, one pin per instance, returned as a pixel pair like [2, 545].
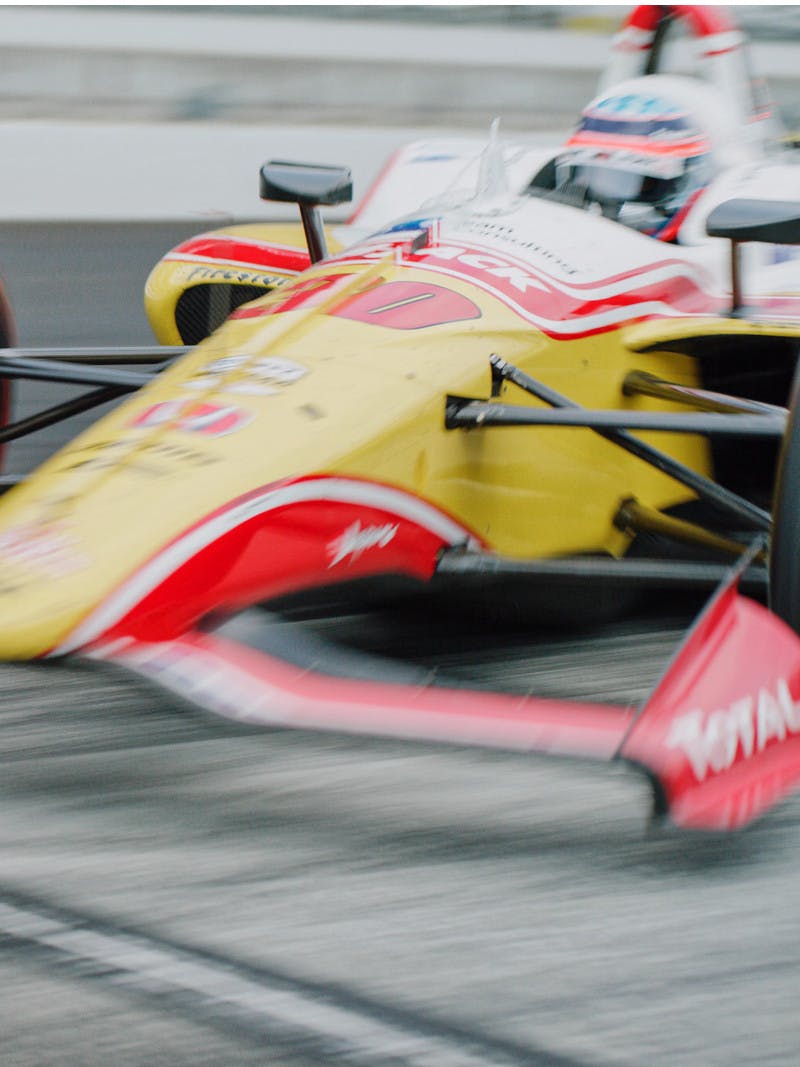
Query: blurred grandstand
[761, 22]
[440, 65]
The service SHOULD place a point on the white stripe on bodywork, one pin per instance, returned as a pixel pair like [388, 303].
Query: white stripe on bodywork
[718, 43]
[582, 324]
[341, 490]
[657, 272]
[632, 282]
[458, 244]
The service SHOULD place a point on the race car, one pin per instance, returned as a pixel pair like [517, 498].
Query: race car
[564, 370]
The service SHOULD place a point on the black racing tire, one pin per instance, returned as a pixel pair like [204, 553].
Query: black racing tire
[8, 338]
[784, 555]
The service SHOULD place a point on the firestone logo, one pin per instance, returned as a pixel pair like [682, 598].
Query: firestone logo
[712, 741]
[357, 539]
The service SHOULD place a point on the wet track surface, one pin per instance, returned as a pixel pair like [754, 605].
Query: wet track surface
[176, 889]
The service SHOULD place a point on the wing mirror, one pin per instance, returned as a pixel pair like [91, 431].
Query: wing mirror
[767, 221]
[308, 185]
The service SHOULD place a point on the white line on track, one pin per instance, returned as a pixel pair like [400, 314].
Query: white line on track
[291, 1009]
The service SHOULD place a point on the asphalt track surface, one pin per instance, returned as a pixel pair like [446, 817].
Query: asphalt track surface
[178, 890]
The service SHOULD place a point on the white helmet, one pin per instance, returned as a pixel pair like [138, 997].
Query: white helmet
[645, 150]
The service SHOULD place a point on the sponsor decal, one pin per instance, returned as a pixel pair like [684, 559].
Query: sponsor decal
[259, 377]
[505, 234]
[211, 420]
[237, 276]
[353, 542]
[157, 414]
[178, 453]
[106, 454]
[46, 547]
[277, 370]
[712, 741]
[214, 420]
[638, 162]
[517, 275]
[562, 308]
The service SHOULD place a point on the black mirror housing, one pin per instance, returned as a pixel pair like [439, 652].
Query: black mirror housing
[305, 183]
[768, 221]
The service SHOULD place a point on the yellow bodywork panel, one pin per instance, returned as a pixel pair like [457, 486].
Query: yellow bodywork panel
[221, 270]
[311, 390]
[669, 333]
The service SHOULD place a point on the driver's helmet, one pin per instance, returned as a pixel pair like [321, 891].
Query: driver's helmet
[640, 156]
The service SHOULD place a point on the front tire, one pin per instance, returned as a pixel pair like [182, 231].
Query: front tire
[784, 556]
[8, 338]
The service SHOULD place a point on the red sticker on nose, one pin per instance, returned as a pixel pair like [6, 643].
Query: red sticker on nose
[408, 306]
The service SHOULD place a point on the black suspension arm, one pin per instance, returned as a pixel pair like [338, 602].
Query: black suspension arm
[461, 414]
[107, 355]
[727, 501]
[641, 383]
[51, 371]
[65, 410]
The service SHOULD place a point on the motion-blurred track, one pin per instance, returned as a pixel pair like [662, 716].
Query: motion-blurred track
[180, 890]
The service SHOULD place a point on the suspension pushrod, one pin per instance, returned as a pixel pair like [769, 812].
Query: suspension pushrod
[641, 383]
[482, 413]
[682, 574]
[45, 370]
[108, 355]
[67, 408]
[722, 498]
[634, 517]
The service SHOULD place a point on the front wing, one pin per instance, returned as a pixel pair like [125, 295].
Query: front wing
[719, 737]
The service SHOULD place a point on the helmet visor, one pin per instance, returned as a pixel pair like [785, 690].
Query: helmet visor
[620, 177]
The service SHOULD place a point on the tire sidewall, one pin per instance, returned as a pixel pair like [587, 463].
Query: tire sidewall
[784, 556]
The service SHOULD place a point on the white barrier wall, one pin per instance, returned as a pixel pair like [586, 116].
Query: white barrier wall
[112, 172]
[69, 171]
[77, 84]
[166, 65]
